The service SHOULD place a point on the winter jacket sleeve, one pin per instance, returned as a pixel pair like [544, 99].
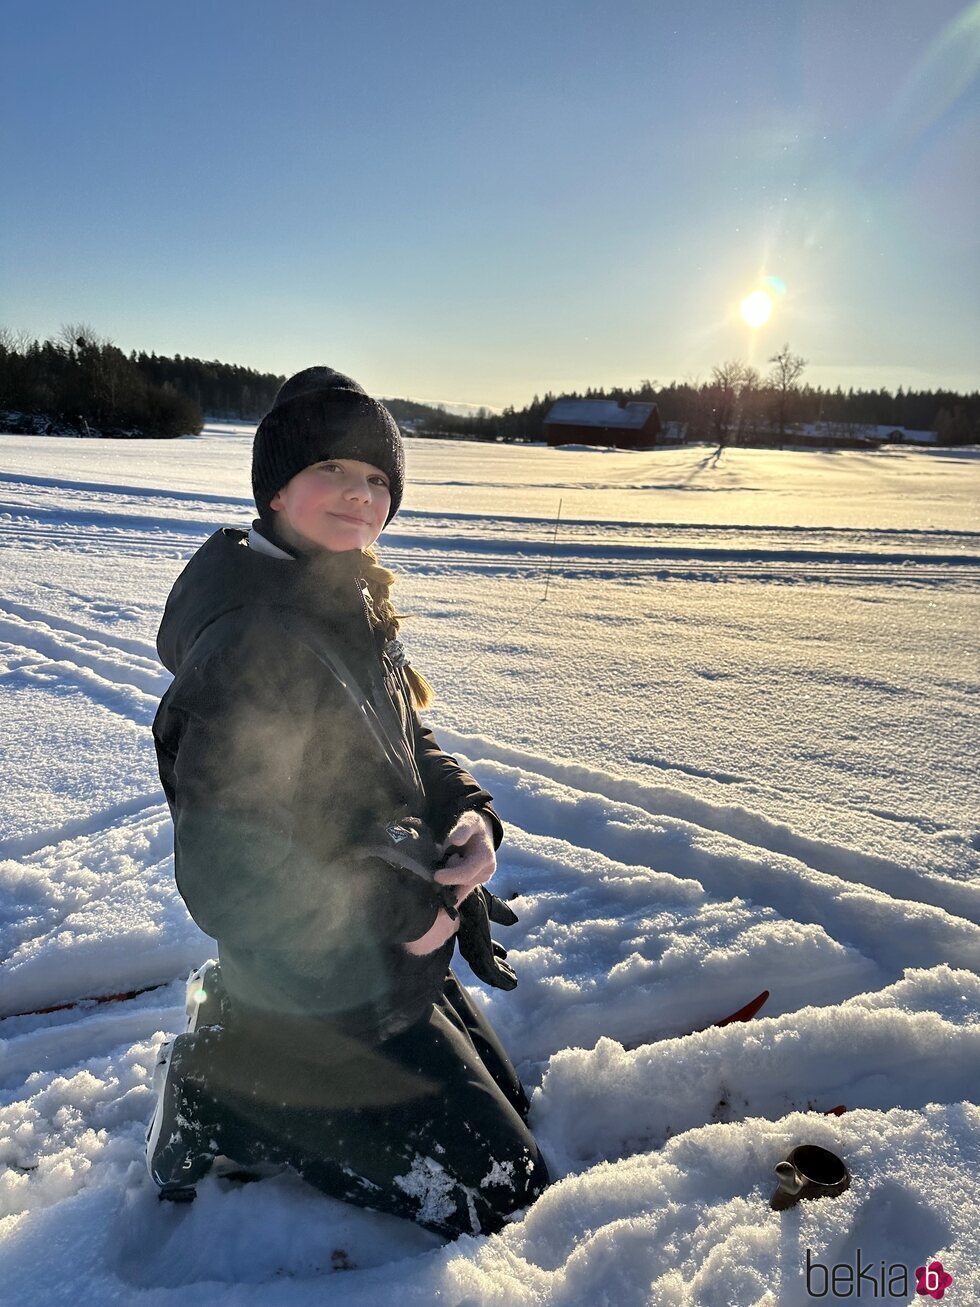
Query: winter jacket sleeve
[246, 773]
[450, 791]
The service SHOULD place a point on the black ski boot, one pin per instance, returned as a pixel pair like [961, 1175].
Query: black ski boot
[180, 1143]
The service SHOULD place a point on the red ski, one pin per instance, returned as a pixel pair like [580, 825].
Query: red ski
[745, 1013]
[92, 1001]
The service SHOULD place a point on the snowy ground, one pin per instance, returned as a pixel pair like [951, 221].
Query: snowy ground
[734, 748]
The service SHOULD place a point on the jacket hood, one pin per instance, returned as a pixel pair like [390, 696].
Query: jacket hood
[225, 575]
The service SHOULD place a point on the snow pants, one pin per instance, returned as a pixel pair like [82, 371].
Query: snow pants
[428, 1125]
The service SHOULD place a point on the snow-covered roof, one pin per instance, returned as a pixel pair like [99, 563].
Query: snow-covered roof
[869, 431]
[600, 413]
[903, 433]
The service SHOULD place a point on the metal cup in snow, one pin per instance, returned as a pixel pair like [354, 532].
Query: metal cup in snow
[809, 1172]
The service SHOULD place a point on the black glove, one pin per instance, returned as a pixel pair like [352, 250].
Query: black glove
[485, 956]
[408, 843]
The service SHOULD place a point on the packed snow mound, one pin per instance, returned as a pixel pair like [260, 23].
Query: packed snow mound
[94, 915]
[608, 1102]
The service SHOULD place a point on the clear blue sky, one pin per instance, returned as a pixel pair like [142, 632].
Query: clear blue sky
[463, 201]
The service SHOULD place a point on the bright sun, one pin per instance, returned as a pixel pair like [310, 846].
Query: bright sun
[755, 308]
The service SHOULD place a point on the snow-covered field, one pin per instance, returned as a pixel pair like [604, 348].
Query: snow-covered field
[728, 711]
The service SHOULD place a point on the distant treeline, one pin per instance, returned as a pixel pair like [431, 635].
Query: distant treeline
[712, 410]
[220, 390]
[79, 383]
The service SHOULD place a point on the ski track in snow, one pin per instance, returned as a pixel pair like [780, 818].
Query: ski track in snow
[138, 652]
[645, 912]
[516, 768]
[435, 545]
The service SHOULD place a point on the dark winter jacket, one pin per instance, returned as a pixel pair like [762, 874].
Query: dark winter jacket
[276, 787]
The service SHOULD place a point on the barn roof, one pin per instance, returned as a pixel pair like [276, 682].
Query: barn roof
[600, 413]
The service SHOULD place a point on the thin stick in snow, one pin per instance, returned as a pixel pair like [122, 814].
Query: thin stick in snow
[551, 556]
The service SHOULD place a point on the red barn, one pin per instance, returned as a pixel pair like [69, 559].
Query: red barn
[616, 423]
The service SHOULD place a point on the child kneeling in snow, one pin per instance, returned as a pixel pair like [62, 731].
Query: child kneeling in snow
[334, 851]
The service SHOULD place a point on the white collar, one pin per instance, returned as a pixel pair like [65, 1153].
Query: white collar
[258, 542]
[261, 545]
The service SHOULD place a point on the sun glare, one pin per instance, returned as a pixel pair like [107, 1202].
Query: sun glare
[755, 308]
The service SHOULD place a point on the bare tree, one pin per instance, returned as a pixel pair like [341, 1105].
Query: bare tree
[747, 409]
[15, 342]
[107, 383]
[730, 382]
[787, 368]
[79, 335]
[695, 407]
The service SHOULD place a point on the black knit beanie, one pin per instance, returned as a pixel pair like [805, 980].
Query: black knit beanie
[320, 414]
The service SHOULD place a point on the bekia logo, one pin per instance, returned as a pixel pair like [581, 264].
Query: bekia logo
[932, 1280]
[870, 1280]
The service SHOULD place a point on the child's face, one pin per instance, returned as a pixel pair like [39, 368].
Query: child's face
[337, 504]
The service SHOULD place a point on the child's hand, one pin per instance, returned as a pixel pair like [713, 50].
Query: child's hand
[441, 929]
[472, 861]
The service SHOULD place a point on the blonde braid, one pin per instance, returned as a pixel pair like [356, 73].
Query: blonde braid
[379, 582]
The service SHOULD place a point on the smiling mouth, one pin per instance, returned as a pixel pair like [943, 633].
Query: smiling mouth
[343, 517]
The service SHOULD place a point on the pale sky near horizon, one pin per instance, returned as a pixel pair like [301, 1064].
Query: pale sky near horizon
[473, 203]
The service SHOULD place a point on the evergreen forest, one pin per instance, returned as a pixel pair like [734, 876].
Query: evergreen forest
[81, 384]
